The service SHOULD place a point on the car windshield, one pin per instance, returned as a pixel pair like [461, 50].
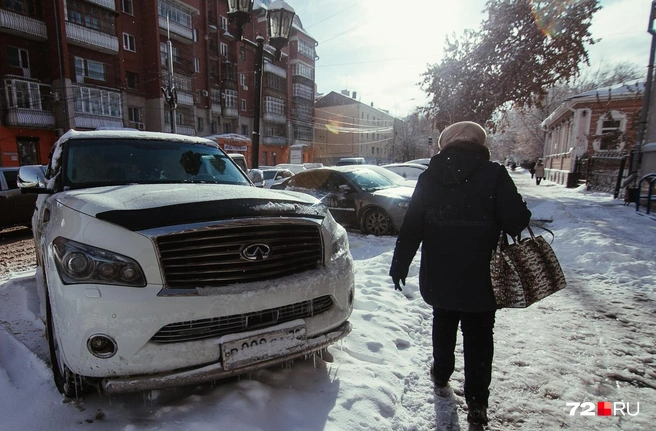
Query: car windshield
[99, 162]
[269, 175]
[369, 180]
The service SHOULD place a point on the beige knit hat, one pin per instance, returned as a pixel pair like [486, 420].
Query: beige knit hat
[464, 131]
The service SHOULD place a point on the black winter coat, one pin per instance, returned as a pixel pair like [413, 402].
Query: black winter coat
[459, 206]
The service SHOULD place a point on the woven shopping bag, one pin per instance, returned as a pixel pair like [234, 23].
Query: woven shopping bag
[525, 271]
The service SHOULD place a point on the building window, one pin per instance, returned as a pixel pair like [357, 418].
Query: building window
[127, 7]
[195, 35]
[196, 65]
[215, 96]
[224, 23]
[224, 49]
[129, 44]
[300, 90]
[132, 80]
[611, 134]
[302, 69]
[24, 7]
[134, 115]
[227, 128]
[17, 57]
[90, 16]
[244, 130]
[97, 102]
[306, 48]
[175, 13]
[274, 105]
[23, 94]
[199, 124]
[242, 54]
[89, 69]
[242, 80]
[243, 104]
[230, 99]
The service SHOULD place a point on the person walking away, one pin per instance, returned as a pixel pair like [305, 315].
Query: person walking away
[531, 169]
[539, 172]
[458, 209]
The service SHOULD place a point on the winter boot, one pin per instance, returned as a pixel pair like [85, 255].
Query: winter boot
[477, 414]
[439, 384]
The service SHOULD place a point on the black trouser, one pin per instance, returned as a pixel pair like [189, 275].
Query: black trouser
[537, 180]
[478, 343]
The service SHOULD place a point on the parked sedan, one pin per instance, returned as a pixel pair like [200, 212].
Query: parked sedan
[274, 176]
[409, 171]
[356, 196]
[16, 209]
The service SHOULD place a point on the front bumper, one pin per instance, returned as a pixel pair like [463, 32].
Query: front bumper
[216, 371]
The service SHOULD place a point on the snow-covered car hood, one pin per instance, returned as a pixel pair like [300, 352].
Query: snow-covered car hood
[142, 206]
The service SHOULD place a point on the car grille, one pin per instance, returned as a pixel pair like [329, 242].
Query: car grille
[212, 256]
[215, 327]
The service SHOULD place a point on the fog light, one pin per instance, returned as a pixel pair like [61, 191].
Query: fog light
[102, 346]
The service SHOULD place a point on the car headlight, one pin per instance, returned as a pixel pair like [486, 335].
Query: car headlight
[339, 244]
[81, 263]
[404, 204]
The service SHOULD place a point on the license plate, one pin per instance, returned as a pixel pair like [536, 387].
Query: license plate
[262, 346]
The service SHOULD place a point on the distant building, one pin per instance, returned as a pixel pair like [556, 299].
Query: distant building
[604, 120]
[345, 127]
[85, 64]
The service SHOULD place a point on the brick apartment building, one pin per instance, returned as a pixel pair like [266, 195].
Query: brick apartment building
[84, 64]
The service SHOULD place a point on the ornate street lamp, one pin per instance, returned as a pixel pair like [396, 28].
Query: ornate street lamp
[280, 16]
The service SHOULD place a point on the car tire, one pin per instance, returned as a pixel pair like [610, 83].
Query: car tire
[376, 222]
[70, 385]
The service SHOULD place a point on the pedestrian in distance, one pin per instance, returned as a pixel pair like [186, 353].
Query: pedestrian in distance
[531, 169]
[539, 172]
[459, 207]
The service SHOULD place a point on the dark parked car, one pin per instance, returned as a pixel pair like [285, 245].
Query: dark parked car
[356, 196]
[16, 209]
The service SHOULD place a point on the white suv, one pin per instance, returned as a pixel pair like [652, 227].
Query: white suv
[160, 264]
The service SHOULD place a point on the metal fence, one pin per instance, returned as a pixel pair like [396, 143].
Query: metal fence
[605, 171]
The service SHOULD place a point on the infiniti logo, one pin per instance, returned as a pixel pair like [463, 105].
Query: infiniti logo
[256, 252]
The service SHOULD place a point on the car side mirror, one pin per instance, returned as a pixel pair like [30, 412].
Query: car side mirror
[32, 180]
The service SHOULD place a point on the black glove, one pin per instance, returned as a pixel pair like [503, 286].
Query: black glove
[397, 282]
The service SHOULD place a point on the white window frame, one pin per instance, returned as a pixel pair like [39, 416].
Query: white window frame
[224, 49]
[129, 42]
[84, 69]
[174, 12]
[195, 37]
[134, 114]
[21, 53]
[243, 104]
[302, 69]
[196, 65]
[230, 99]
[300, 90]
[127, 4]
[224, 22]
[274, 105]
[23, 94]
[95, 101]
[306, 48]
[242, 80]
[616, 116]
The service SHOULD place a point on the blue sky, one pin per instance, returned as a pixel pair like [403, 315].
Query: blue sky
[380, 50]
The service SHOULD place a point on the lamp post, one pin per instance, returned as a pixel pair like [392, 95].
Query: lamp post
[280, 16]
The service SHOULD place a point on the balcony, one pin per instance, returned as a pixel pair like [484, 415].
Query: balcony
[90, 121]
[274, 140]
[93, 39]
[230, 112]
[107, 4]
[216, 108]
[271, 117]
[178, 32]
[181, 129]
[276, 70]
[185, 98]
[19, 117]
[21, 25]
